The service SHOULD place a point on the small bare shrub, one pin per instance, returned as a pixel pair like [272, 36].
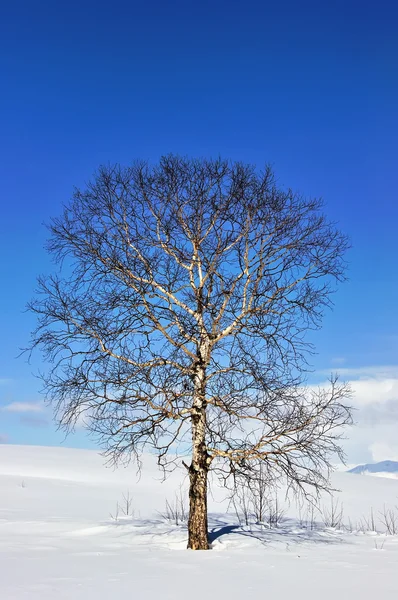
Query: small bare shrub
[389, 518]
[259, 488]
[306, 514]
[302, 521]
[126, 505]
[349, 527]
[380, 545]
[368, 523]
[275, 512]
[332, 515]
[252, 501]
[115, 516]
[176, 510]
[311, 516]
[241, 502]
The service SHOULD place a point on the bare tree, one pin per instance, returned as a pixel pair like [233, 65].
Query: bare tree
[177, 321]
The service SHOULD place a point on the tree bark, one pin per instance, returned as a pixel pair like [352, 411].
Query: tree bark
[198, 471]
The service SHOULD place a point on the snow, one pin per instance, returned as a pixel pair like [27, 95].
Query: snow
[58, 540]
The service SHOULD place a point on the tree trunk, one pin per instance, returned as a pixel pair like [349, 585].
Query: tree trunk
[198, 471]
[197, 524]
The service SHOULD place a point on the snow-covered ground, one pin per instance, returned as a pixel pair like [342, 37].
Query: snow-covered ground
[58, 539]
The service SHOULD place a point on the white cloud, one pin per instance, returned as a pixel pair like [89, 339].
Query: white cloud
[375, 400]
[376, 394]
[382, 449]
[24, 407]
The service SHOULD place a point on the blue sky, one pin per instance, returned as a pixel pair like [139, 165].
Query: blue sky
[310, 87]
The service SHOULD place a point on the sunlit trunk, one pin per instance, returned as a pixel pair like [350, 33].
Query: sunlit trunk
[198, 471]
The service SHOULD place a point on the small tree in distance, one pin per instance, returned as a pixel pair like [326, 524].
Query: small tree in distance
[177, 320]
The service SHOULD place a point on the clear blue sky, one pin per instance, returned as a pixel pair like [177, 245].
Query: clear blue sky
[311, 87]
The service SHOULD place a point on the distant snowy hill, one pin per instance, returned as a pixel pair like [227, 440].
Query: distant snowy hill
[385, 468]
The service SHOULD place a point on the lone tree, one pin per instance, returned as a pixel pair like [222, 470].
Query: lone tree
[177, 317]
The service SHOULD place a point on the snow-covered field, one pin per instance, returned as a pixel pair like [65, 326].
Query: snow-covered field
[58, 539]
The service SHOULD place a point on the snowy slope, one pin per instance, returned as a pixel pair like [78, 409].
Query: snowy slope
[58, 540]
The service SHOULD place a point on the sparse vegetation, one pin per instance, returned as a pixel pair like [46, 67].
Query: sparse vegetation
[247, 508]
[257, 501]
[368, 524]
[124, 507]
[389, 519]
[380, 545]
[332, 515]
[176, 510]
[306, 514]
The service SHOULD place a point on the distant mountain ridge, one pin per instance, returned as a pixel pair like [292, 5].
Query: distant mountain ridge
[385, 466]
